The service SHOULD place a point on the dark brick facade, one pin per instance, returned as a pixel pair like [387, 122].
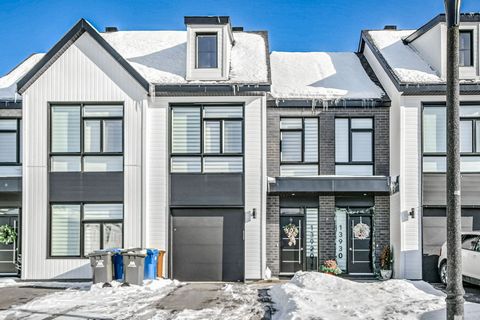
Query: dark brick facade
[327, 167]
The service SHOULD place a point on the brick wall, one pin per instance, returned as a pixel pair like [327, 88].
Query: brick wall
[273, 234]
[326, 228]
[382, 225]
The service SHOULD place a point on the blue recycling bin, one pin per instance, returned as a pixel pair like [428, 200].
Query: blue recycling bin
[117, 259]
[151, 264]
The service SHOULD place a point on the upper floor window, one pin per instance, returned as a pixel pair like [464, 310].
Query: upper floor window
[435, 138]
[354, 146]
[10, 141]
[86, 138]
[206, 139]
[466, 48]
[299, 146]
[207, 51]
[77, 229]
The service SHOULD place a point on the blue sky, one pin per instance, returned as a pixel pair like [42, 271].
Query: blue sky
[322, 25]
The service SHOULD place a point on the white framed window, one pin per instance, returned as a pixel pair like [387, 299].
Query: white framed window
[206, 53]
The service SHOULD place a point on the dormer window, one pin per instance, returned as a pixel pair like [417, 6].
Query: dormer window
[466, 48]
[207, 50]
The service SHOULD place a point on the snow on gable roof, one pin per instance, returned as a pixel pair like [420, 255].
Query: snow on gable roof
[405, 62]
[321, 75]
[160, 56]
[8, 83]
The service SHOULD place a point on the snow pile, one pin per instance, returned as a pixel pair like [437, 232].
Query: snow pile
[9, 282]
[160, 56]
[8, 83]
[312, 295]
[321, 75]
[96, 302]
[407, 64]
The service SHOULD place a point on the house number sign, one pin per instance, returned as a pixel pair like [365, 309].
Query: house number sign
[341, 239]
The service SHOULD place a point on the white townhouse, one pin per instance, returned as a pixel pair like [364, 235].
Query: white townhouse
[147, 139]
[411, 66]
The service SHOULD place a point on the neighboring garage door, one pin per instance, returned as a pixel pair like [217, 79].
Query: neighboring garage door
[207, 244]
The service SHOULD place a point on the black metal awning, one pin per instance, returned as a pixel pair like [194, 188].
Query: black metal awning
[334, 184]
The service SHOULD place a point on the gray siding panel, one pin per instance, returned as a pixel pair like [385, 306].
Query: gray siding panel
[434, 189]
[92, 186]
[206, 189]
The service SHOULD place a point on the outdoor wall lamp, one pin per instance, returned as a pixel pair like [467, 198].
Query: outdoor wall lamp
[411, 213]
[254, 213]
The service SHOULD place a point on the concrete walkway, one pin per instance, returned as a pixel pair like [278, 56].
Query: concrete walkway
[10, 296]
[194, 296]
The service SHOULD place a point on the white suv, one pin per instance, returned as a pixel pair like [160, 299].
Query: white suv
[470, 258]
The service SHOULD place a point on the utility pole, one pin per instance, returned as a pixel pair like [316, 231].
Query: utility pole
[455, 292]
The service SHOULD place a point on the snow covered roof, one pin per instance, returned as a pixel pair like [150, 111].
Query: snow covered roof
[405, 62]
[160, 56]
[321, 75]
[8, 83]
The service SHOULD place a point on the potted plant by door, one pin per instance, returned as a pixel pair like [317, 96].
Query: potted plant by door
[386, 263]
[331, 267]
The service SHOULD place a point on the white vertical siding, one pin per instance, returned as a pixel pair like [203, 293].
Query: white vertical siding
[254, 192]
[156, 179]
[157, 174]
[84, 72]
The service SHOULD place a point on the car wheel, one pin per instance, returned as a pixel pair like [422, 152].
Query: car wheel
[443, 272]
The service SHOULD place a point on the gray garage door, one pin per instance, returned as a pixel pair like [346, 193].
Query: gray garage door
[207, 244]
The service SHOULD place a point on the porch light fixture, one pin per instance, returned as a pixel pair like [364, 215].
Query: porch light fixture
[254, 213]
[411, 213]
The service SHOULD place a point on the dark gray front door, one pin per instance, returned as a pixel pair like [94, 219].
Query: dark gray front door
[360, 248]
[291, 254]
[207, 244]
[8, 252]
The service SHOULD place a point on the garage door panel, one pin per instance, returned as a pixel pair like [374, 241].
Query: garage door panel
[207, 244]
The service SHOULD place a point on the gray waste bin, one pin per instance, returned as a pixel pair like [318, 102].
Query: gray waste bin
[102, 267]
[133, 266]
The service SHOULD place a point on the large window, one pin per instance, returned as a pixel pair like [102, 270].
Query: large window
[354, 146]
[435, 138]
[10, 141]
[206, 139]
[299, 146]
[207, 52]
[466, 48]
[79, 229]
[86, 138]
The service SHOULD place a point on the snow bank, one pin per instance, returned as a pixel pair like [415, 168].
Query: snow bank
[312, 295]
[8, 83]
[95, 302]
[322, 75]
[160, 56]
[407, 64]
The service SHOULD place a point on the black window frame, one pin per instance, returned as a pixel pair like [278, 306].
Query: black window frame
[462, 50]
[82, 153]
[475, 152]
[82, 221]
[202, 154]
[352, 130]
[302, 131]
[197, 52]
[18, 141]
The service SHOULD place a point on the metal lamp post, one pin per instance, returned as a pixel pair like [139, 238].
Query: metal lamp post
[455, 292]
